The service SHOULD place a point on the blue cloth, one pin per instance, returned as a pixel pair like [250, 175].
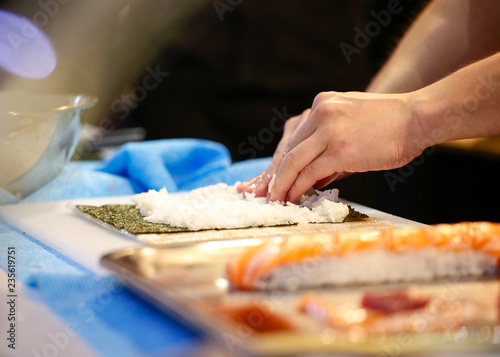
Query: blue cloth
[167, 163]
[114, 321]
[177, 164]
[77, 180]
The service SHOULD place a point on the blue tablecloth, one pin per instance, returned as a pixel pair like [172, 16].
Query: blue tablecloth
[110, 318]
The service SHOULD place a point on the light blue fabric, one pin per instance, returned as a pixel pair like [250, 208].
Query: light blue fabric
[240, 171]
[167, 163]
[114, 321]
[177, 164]
[77, 180]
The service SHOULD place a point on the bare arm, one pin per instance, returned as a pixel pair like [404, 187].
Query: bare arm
[357, 132]
[463, 105]
[447, 35]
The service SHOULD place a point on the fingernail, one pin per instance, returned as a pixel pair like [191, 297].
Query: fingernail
[250, 188]
[257, 188]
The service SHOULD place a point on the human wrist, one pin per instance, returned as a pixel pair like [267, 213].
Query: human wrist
[426, 118]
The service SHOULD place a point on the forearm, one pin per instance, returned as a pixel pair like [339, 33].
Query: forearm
[446, 36]
[463, 105]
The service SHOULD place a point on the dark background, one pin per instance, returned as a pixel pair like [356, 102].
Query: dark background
[227, 77]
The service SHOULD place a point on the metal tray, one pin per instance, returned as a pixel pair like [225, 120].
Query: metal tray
[188, 281]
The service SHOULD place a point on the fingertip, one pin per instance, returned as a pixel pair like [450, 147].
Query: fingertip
[292, 198]
[275, 192]
[258, 191]
[241, 186]
[250, 188]
[274, 197]
[297, 190]
[244, 185]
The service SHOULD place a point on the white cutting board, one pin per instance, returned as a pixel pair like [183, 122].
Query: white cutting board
[55, 224]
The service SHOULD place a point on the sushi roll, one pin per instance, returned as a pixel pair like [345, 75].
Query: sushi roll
[339, 258]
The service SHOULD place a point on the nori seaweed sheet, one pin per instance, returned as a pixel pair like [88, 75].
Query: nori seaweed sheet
[129, 218]
[354, 216]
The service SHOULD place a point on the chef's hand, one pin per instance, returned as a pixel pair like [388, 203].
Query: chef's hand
[259, 184]
[345, 132]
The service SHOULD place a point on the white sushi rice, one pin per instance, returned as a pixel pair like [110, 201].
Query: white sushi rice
[221, 206]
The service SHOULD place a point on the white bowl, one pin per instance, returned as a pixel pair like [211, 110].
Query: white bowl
[38, 135]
